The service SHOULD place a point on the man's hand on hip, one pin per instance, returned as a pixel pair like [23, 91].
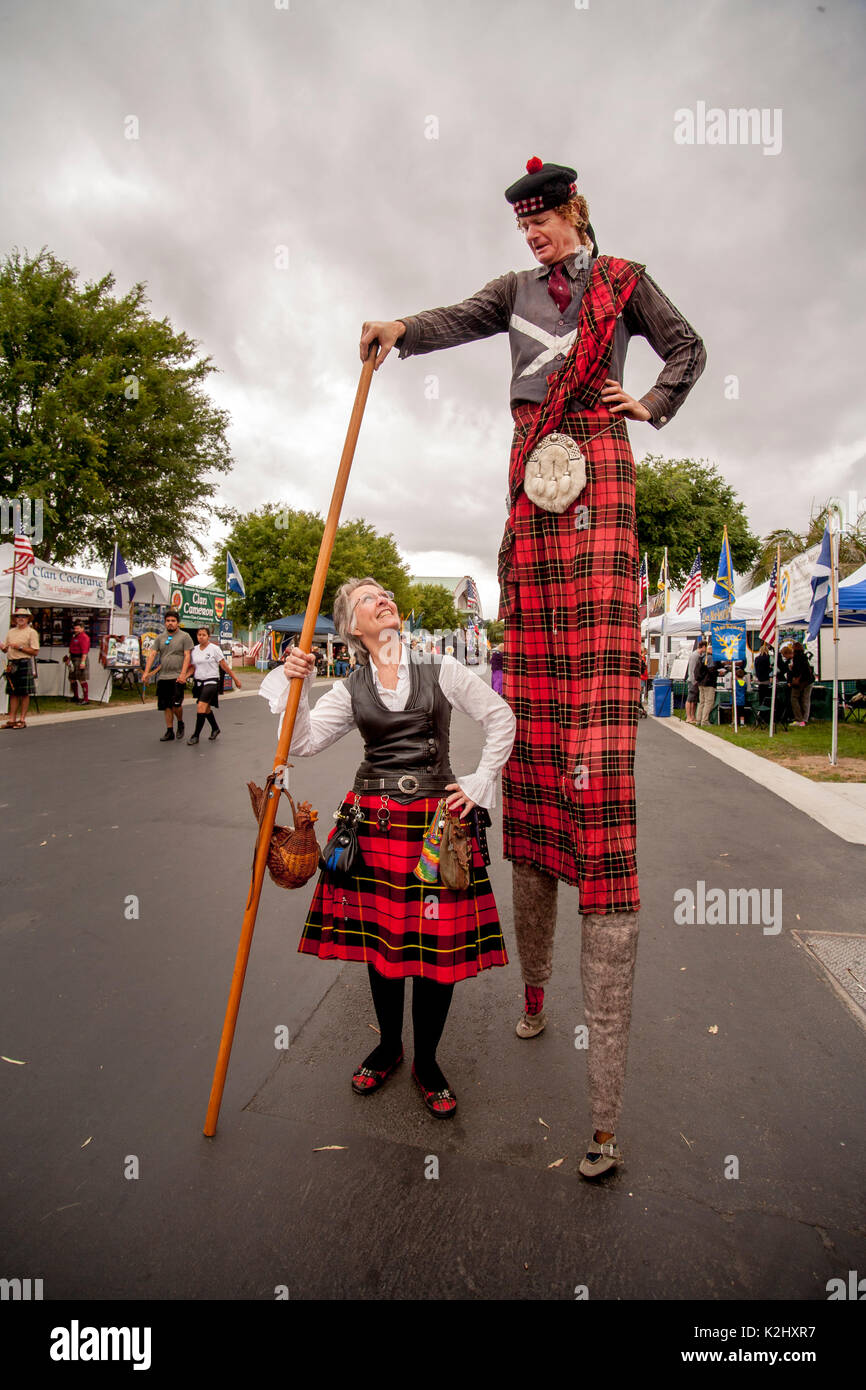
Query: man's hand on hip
[619, 402]
[387, 333]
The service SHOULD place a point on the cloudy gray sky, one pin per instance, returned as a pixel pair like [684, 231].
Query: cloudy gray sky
[307, 124]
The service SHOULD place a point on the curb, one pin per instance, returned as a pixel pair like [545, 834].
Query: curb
[825, 802]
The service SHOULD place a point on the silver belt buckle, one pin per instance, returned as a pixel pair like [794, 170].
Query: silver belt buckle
[408, 777]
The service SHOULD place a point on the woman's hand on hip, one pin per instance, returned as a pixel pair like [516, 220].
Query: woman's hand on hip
[298, 665]
[619, 402]
[459, 801]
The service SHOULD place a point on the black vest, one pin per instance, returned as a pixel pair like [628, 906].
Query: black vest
[414, 739]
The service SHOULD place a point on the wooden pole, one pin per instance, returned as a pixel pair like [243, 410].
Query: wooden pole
[286, 731]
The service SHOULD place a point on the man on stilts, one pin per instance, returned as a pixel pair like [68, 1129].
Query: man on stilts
[568, 573]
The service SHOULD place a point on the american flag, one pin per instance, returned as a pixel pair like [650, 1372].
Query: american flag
[471, 593]
[182, 569]
[692, 592]
[644, 581]
[23, 556]
[768, 619]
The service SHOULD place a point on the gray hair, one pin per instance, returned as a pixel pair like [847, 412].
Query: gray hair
[343, 615]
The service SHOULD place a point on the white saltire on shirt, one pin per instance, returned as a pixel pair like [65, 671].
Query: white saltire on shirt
[331, 717]
[551, 346]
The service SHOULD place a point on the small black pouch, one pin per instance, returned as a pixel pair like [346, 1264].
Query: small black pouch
[342, 852]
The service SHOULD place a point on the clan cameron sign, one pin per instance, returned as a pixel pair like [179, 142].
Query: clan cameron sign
[198, 606]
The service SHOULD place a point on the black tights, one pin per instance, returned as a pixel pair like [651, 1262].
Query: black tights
[430, 1005]
[199, 723]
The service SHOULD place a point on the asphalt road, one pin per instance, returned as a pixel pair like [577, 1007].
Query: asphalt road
[740, 1050]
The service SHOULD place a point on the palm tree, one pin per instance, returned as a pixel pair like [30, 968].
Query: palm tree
[852, 548]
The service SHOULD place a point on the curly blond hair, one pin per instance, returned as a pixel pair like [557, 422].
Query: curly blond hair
[576, 212]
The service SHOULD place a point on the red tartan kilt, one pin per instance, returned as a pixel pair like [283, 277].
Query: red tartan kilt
[571, 671]
[387, 918]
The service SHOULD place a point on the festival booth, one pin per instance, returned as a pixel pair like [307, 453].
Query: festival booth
[56, 598]
[278, 629]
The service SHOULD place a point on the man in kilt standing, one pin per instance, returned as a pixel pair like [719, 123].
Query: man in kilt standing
[568, 573]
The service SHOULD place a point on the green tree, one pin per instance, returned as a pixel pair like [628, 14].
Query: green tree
[852, 546]
[495, 630]
[433, 605]
[103, 415]
[276, 549]
[685, 504]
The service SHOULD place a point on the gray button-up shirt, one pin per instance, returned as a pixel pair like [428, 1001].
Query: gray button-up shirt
[541, 335]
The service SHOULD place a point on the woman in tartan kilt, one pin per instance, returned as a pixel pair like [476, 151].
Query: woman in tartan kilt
[568, 573]
[379, 911]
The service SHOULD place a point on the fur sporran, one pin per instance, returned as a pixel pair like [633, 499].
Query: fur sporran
[455, 856]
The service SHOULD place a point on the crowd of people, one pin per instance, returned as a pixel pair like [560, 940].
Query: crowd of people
[704, 676]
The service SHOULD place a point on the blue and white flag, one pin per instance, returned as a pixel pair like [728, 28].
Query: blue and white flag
[820, 586]
[724, 585]
[120, 582]
[234, 583]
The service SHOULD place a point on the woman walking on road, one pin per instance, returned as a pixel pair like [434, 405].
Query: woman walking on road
[379, 912]
[207, 662]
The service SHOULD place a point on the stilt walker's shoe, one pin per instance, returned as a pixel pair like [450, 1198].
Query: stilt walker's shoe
[366, 1080]
[531, 1025]
[600, 1158]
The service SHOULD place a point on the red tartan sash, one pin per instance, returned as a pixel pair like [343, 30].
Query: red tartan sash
[584, 371]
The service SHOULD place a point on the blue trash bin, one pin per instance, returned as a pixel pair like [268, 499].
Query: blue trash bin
[662, 690]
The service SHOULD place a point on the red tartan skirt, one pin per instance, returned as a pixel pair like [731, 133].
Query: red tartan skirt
[572, 672]
[386, 917]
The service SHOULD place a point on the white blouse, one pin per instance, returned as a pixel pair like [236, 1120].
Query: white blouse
[332, 717]
[206, 664]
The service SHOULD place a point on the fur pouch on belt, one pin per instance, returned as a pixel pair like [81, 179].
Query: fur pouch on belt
[555, 473]
[455, 854]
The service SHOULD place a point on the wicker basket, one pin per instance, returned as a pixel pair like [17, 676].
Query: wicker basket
[293, 855]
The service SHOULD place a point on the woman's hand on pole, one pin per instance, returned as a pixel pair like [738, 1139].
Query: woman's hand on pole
[298, 665]
[458, 800]
[387, 334]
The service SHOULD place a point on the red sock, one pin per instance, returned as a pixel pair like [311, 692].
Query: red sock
[84, 689]
[534, 1000]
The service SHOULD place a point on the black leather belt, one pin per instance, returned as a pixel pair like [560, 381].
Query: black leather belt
[405, 784]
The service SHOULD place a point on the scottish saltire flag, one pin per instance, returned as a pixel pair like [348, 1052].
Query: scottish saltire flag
[644, 582]
[234, 582]
[768, 618]
[183, 570]
[691, 594]
[724, 586]
[22, 554]
[820, 586]
[119, 580]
